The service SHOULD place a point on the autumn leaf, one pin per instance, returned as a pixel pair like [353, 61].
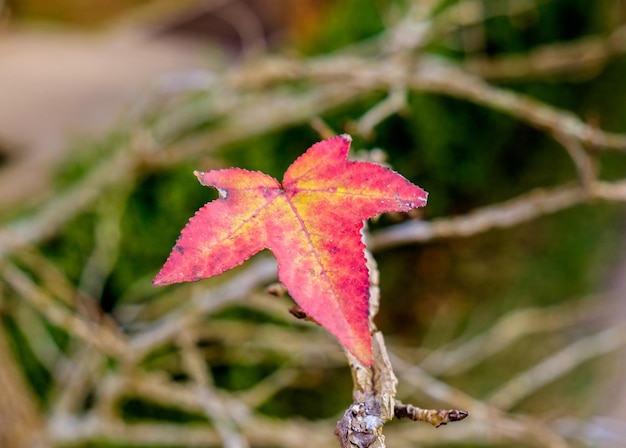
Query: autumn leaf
[312, 224]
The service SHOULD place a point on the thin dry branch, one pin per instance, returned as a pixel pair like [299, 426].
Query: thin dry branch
[50, 219]
[577, 59]
[334, 81]
[21, 422]
[374, 394]
[258, 271]
[557, 365]
[435, 417]
[212, 406]
[108, 239]
[467, 353]
[487, 422]
[102, 337]
[584, 162]
[75, 383]
[448, 80]
[392, 104]
[434, 75]
[524, 208]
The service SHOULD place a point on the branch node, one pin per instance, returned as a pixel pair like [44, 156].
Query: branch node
[299, 313]
[276, 289]
[361, 424]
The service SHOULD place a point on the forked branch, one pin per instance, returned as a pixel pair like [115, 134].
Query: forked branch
[374, 394]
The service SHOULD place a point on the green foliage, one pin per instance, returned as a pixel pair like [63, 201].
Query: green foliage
[316, 386]
[345, 23]
[135, 410]
[70, 250]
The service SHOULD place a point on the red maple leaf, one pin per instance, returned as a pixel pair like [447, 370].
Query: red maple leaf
[312, 224]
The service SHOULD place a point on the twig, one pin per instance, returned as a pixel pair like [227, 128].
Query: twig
[219, 414]
[257, 271]
[76, 381]
[557, 365]
[38, 336]
[267, 432]
[417, 378]
[374, 387]
[374, 391]
[435, 417]
[501, 335]
[268, 387]
[156, 388]
[99, 336]
[448, 80]
[435, 75]
[487, 422]
[393, 103]
[107, 238]
[571, 59]
[583, 161]
[524, 208]
[57, 212]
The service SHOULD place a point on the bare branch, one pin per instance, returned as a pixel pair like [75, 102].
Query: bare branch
[447, 80]
[215, 410]
[580, 58]
[557, 365]
[487, 422]
[103, 337]
[256, 272]
[505, 214]
[465, 354]
[393, 103]
[435, 417]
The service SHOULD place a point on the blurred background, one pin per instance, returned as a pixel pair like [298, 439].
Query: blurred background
[504, 296]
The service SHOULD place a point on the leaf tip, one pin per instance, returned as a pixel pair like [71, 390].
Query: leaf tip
[164, 277]
[346, 137]
[199, 175]
[158, 281]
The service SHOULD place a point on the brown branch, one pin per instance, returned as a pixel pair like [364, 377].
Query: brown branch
[584, 162]
[435, 417]
[459, 356]
[578, 58]
[374, 387]
[487, 421]
[335, 81]
[102, 337]
[524, 208]
[509, 213]
[374, 394]
[257, 271]
[21, 423]
[58, 211]
[434, 75]
[557, 365]
[212, 405]
[446, 79]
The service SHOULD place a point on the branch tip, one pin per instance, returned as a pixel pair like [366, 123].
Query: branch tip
[436, 417]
